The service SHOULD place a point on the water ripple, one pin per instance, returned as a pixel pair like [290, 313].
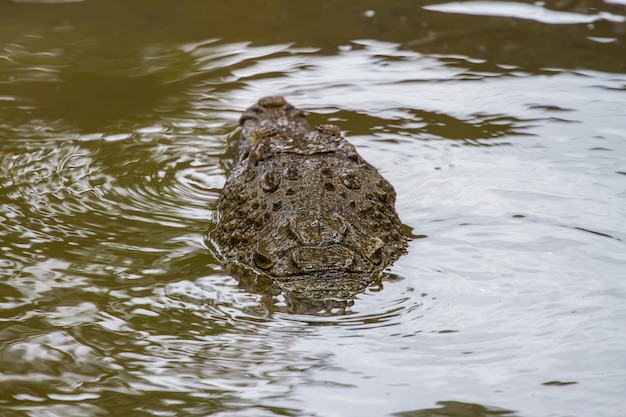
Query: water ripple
[522, 11]
[511, 171]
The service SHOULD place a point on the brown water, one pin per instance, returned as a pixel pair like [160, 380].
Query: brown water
[502, 126]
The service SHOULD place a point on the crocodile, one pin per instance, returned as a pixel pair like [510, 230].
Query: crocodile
[302, 210]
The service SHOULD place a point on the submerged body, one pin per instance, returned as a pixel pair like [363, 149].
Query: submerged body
[302, 208]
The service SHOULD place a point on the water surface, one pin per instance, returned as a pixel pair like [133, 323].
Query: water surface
[501, 125]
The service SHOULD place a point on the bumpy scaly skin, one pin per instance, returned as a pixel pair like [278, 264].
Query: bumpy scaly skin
[303, 208]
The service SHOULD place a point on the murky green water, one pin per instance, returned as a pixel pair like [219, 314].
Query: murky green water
[502, 126]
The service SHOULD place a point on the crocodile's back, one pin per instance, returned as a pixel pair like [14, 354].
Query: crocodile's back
[301, 205]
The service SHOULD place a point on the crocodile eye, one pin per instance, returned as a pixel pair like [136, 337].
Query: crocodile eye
[263, 261]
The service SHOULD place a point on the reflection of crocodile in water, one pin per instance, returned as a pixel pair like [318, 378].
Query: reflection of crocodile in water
[302, 209]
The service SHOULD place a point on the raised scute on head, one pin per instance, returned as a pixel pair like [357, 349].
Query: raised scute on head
[348, 151]
[329, 129]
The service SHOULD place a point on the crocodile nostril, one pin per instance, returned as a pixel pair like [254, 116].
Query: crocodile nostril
[318, 258]
[272, 101]
[263, 261]
[377, 256]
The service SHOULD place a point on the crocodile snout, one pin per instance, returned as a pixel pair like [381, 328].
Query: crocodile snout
[315, 258]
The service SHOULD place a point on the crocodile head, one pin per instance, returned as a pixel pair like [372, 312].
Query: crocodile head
[303, 209]
[313, 251]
